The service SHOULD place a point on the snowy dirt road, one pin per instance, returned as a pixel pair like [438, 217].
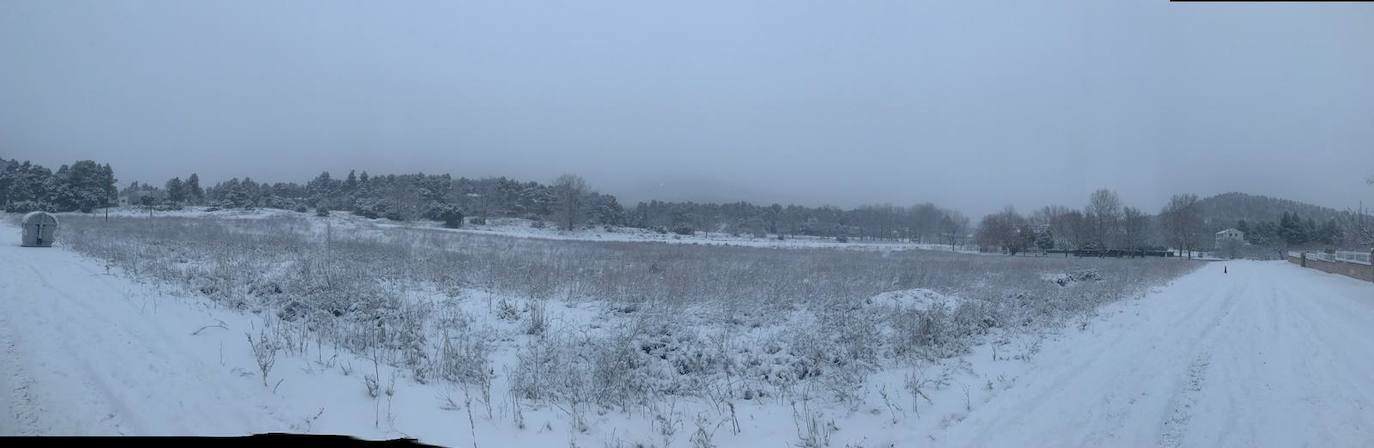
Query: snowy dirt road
[1269, 354]
[83, 352]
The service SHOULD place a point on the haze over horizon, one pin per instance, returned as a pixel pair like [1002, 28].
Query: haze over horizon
[970, 106]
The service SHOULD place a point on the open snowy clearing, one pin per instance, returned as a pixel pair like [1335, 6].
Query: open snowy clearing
[525, 228]
[1267, 355]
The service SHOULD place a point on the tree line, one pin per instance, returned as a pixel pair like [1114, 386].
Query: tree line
[1185, 223]
[1105, 223]
[924, 223]
[568, 202]
[83, 185]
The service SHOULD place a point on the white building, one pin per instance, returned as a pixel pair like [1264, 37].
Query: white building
[1229, 235]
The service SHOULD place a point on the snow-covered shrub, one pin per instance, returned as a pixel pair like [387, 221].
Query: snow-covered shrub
[1070, 278]
[539, 365]
[619, 373]
[464, 353]
[505, 310]
[264, 352]
[536, 318]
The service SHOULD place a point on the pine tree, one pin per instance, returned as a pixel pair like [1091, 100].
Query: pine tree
[1331, 233]
[176, 190]
[1045, 240]
[84, 186]
[451, 216]
[351, 183]
[321, 188]
[195, 194]
[1292, 230]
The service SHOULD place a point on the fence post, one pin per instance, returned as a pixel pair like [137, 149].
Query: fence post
[1304, 258]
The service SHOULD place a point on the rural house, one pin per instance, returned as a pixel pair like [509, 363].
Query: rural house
[1229, 235]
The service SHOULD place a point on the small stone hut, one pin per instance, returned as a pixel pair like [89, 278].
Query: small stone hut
[40, 229]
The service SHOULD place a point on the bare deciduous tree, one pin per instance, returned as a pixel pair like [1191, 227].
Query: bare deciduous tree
[1182, 220]
[1058, 221]
[952, 226]
[1135, 227]
[926, 219]
[1002, 231]
[1104, 213]
[569, 190]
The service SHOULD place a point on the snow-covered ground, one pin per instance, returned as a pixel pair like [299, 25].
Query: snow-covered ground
[524, 228]
[1269, 354]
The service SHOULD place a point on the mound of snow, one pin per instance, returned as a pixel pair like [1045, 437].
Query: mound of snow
[1069, 278]
[918, 299]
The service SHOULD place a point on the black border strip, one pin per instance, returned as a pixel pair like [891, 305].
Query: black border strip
[268, 439]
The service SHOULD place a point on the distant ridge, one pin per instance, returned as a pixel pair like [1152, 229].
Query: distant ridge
[1225, 209]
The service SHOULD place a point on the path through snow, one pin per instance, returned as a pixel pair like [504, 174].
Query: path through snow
[83, 355]
[1270, 354]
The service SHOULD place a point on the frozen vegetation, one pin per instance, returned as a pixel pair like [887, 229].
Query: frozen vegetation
[675, 338]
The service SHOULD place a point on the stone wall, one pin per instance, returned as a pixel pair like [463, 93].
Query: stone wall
[1355, 270]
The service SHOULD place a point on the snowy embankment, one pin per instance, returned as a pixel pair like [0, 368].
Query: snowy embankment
[1264, 355]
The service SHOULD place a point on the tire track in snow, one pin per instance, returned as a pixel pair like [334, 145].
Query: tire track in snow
[1117, 364]
[23, 411]
[1186, 395]
[1182, 403]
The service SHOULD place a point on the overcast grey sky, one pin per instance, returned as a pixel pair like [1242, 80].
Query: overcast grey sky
[973, 105]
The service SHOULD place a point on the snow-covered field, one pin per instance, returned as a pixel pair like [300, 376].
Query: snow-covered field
[1266, 355]
[524, 228]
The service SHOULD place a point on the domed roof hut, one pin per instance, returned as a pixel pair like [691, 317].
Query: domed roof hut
[40, 229]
